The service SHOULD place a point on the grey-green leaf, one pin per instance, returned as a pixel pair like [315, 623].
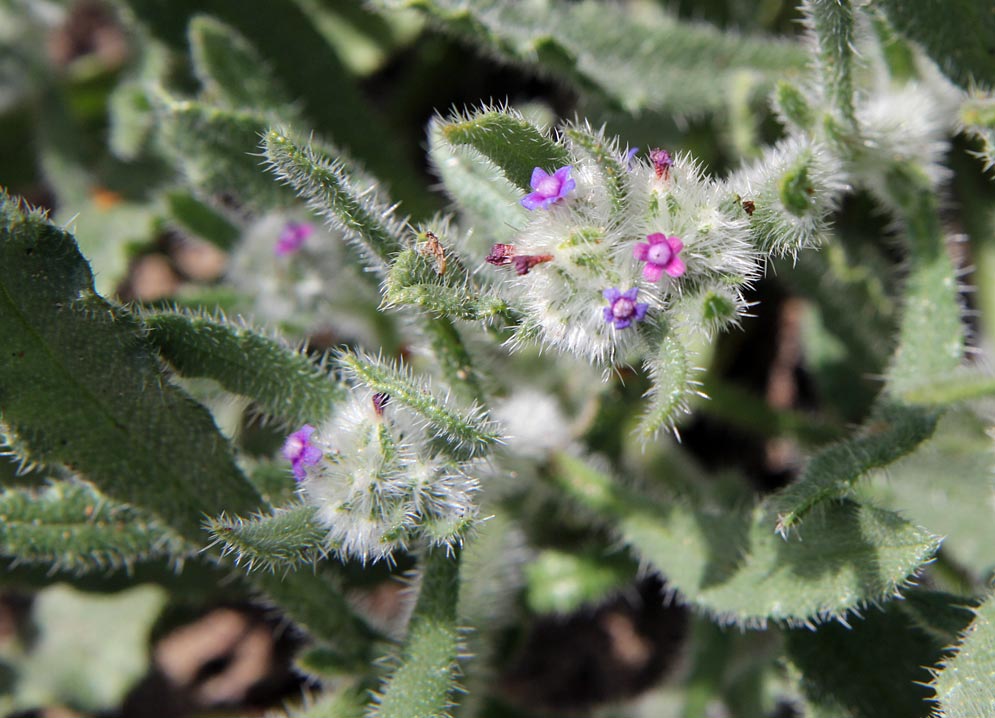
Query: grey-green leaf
[636, 60]
[965, 687]
[80, 386]
[70, 526]
[284, 382]
[278, 542]
[732, 565]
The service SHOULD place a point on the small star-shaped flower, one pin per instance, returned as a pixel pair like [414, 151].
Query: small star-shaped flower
[300, 452]
[292, 238]
[622, 309]
[549, 188]
[660, 254]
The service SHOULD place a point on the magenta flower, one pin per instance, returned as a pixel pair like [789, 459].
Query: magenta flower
[660, 255]
[299, 451]
[549, 188]
[622, 308]
[292, 238]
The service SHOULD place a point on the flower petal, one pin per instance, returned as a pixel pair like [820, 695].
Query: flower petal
[631, 293]
[656, 238]
[641, 308]
[652, 272]
[534, 201]
[675, 267]
[538, 175]
[611, 294]
[639, 251]
[676, 245]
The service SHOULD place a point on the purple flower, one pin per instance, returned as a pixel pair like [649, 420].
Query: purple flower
[622, 308]
[630, 156]
[660, 255]
[292, 238]
[299, 451]
[662, 162]
[549, 188]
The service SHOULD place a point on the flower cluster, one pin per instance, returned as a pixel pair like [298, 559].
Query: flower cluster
[611, 242]
[378, 480]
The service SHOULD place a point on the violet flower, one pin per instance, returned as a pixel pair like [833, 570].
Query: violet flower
[630, 157]
[549, 188]
[660, 255]
[622, 308]
[292, 238]
[299, 451]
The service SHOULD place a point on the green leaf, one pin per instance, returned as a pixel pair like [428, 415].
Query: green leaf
[202, 220]
[231, 70]
[283, 381]
[941, 484]
[875, 667]
[481, 191]
[964, 687]
[414, 279]
[73, 662]
[959, 35]
[424, 683]
[892, 432]
[470, 432]
[730, 564]
[834, 25]
[637, 60]
[931, 333]
[309, 69]
[672, 380]
[217, 149]
[338, 192]
[506, 138]
[283, 541]
[561, 582]
[79, 385]
[71, 527]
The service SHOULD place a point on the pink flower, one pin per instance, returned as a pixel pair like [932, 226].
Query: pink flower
[292, 238]
[299, 451]
[622, 309]
[660, 255]
[549, 188]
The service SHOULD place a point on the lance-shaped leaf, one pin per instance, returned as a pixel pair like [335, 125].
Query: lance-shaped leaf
[482, 192]
[931, 333]
[278, 542]
[956, 34]
[941, 484]
[424, 683]
[833, 22]
[506, 138]
[71, 527]
[469, 431]
[875, 667]
[202, 220]
[730, 564]
[964, 686]
[348, 200]
[893, 432]
[80, 386]
[284, 382]
[422, 280]
[644, 60]
[230, 69]
[218, 149]
[672, 384]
